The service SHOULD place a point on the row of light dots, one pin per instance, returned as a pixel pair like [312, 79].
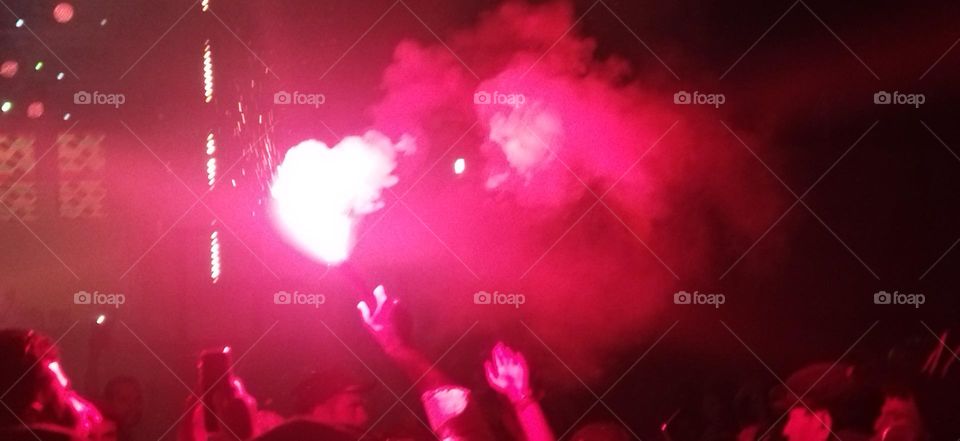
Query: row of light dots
[62, 13]
[8, 69]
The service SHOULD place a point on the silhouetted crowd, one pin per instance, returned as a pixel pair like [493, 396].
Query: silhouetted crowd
[822, 401]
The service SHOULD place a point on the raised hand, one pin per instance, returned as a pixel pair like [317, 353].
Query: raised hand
[507, 373]
[379, 320]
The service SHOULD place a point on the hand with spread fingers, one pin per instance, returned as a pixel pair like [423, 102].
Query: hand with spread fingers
[507, 373]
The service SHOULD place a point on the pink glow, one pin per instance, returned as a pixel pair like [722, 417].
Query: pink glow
[321, 192]
[588, 125]
[9, 68]
[35, 109]
[89, 418]
[63, 12]
[77, 405]
[238, 387]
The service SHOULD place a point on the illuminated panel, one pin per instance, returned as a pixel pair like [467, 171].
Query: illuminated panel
[18, 193]
[81, 160]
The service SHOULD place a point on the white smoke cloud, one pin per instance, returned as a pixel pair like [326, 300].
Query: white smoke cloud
[321, 192]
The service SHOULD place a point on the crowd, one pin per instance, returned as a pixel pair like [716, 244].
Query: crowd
[823, 401]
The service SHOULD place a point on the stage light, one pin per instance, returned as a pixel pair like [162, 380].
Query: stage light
[211, 144]
[101, 319]
[215, 256]
[320, 192]
[19, 22]
[207, 72]
[103, 22]
[6, 106]
[35, 110]
[9, 68]
[66, 116]
[205, 5]
[63, 12]
[211, 161]
[211, 171]
[38, 66]
[459, 166]
[60, 76]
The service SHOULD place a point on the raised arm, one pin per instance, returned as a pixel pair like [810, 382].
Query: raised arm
[508, 374]
[449, 408]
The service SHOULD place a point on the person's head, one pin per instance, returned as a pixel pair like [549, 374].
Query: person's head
[834, 400]
[334, 398]
[899, 419]
[123, 400]
[602, 431]
[805, 424]
[30, 373]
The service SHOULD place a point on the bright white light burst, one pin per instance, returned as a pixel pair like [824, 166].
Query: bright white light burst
[321, 192]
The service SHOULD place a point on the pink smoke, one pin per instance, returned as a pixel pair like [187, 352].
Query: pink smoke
[556, 129]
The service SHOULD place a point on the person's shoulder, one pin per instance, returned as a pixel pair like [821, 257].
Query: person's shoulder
[303, 430]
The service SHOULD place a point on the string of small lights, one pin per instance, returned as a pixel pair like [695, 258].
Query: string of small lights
[211, 150]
